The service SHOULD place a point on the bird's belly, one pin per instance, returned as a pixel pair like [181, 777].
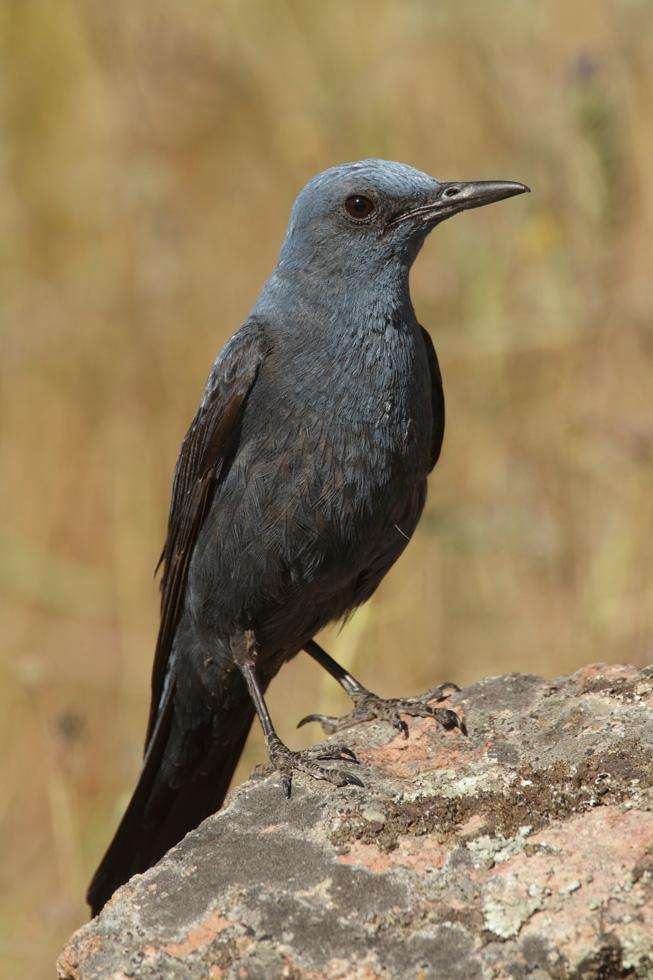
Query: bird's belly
[303, 529]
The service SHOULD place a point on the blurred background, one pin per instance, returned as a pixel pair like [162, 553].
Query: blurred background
[149, 154]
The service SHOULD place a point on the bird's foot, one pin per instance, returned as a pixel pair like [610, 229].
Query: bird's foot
[368, 706]
[286, 762]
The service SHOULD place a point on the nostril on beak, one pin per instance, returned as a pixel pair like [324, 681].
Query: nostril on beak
[452, 192]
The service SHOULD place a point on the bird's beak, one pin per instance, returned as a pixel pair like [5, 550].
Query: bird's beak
[454, 196]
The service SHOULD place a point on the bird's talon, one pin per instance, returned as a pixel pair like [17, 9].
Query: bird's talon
[337, 752]
[443, 691]
[439, 693]
[350, 780]
[368, 706]
[447, 718]
[287, 762]
[329, 724]
[308, 718]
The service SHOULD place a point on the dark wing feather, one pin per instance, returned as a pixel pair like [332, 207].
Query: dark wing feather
[437, 398]
[207, 447]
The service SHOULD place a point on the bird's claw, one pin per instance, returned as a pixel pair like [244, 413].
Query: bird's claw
[368, 706]
[336, 752]
[444, 716]
[287, 762]
[328, 722]
[438, 693]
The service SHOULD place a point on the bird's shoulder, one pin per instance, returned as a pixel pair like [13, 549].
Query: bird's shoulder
[238, 361]
[229, 383]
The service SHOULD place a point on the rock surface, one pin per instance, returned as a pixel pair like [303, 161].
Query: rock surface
[524, 850]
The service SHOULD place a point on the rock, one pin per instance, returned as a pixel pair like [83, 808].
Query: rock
[524, 850]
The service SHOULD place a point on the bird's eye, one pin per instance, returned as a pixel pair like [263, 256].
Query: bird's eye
[359, 207]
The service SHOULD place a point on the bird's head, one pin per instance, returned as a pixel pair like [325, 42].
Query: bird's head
[363, 216]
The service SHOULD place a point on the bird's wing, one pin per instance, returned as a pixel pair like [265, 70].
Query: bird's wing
[205, 452]
[437, 398]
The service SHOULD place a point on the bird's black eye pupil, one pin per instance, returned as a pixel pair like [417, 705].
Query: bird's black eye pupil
[358, 206]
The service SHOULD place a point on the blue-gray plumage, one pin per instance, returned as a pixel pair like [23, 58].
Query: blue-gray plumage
[298, 485]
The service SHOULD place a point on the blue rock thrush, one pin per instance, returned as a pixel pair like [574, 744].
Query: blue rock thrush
[299, 483]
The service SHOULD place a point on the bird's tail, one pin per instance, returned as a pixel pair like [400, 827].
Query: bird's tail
[178, 787]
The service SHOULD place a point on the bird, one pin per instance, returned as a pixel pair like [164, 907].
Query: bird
[298, 485]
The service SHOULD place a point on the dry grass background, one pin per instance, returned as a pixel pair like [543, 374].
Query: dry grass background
[149, 153]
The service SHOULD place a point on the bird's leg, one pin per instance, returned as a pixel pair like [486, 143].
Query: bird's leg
[281, 757]
[368, 706]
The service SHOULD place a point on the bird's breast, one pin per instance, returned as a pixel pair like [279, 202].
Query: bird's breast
[344, 438]
[321, 496]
